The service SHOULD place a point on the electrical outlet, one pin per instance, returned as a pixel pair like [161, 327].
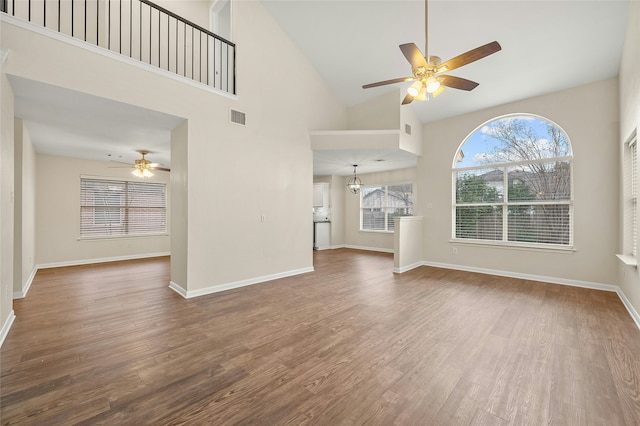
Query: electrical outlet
[454, 250]
[262, 218]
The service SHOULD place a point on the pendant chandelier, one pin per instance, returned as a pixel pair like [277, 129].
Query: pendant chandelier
[354, 183]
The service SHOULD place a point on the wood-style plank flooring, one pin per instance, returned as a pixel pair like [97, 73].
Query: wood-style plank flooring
[351, 343]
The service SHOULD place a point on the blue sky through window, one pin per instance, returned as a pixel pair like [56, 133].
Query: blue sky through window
[481, 148]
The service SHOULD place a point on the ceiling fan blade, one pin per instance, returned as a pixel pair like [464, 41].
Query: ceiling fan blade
[413, 55]
[457, 82]
[407, 99]
[470, 56]
[164, 169]
[384, 83]
[153, 165]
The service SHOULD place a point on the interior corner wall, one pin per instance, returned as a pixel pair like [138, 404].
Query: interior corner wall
[58, 215]
[29, 173]
[589, 116]
[18, 128]
[410, 142]
[383, 241]
[179, 204]
[338, 190]
[6, 200]
[24, 208]
[629, 122]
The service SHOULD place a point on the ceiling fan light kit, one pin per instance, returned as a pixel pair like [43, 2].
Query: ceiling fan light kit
[143, 168]
[142, 172]
[428, 75]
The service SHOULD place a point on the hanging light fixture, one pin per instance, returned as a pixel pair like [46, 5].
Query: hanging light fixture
[354, 183]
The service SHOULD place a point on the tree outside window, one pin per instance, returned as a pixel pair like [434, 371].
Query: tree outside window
[512, 183]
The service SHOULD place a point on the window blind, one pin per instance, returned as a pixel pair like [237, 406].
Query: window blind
[122, 208]
[633, 201]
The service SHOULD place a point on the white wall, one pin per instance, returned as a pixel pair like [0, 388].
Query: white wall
[235, 174]
[630, 121]
[589, 115]
[6, 204]
[374, 240]
[58, 214]
[24, 209]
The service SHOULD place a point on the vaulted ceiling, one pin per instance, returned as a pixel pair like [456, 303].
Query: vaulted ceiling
[546, 46]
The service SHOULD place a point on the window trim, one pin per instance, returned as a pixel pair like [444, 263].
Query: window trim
[631, 192]
[386, 216]
[504, 204]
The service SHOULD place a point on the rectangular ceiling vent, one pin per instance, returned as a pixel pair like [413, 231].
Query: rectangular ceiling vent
[407, 128]
[238, 117]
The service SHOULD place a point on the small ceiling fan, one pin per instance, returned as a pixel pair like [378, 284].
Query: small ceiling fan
[429, 74]
[143, 167]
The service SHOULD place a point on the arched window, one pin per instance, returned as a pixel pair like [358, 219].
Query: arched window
[512, 184]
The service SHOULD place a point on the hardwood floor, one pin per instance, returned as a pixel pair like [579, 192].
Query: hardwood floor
[351, 343]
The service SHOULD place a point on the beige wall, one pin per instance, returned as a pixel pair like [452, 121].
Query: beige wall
[374, 240]
[58, 214]
[24, 208]
[235, 174]
[589, 115]
[179, 204]
[6, 200]
[381, 113]
[630, 122]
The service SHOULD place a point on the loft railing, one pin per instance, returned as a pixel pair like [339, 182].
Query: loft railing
[140, 30]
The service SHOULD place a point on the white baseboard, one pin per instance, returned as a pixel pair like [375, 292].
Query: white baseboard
[228, 286]
[632, 311]
[553, 280]
[382, 250]
[406, 268]
[100, 260]
[22, 294]
[6, 327]
[175, 287]
[530, 277]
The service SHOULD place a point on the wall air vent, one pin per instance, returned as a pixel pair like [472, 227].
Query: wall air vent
[407, 129]
[238, 117]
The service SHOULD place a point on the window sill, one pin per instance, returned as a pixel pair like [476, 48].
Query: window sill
[628, 260]
[515, 246]
[375, 231]
[119, 237]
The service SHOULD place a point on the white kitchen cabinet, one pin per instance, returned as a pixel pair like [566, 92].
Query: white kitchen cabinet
[321, 193]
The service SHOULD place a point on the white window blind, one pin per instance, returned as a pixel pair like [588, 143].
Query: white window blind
[380, 204]
[122, 208]
[631, 207]
[513, 184]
